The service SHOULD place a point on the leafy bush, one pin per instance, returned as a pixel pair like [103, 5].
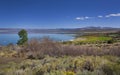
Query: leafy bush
[23, 37]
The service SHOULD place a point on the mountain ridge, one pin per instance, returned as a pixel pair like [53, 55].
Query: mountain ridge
[62, 30]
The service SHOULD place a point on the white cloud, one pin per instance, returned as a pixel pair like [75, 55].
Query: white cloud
[79, 18]
[82, 18]
[113, 15]
[86, 17]
[100, 16]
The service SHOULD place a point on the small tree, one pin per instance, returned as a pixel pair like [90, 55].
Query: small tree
[23, 37]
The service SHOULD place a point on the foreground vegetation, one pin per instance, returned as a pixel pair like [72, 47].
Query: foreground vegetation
[47, 57]
[67, 65]
[86, 55]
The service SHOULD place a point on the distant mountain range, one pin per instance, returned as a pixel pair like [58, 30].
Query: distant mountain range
[62, 30]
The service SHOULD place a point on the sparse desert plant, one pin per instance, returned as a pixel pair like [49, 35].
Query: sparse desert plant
[88, 66]
[40, 48]
[69, 73]
[111, 69]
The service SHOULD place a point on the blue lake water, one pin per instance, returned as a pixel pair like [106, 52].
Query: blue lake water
[6, 39]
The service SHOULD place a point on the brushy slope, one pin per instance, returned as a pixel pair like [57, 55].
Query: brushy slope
[80, 65]
[47, 57]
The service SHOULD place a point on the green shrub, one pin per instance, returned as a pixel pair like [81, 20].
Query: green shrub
[88, 66]
[111, 69]
[23, 37]
[69, 73]
[39, 72]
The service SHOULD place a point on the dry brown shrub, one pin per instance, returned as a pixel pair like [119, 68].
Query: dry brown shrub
[39, 48]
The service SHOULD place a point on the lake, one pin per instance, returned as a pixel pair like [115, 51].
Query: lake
[6, 39]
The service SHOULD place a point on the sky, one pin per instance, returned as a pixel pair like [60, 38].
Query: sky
[59, 13]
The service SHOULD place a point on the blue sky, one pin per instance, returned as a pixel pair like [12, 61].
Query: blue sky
[59, 13]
